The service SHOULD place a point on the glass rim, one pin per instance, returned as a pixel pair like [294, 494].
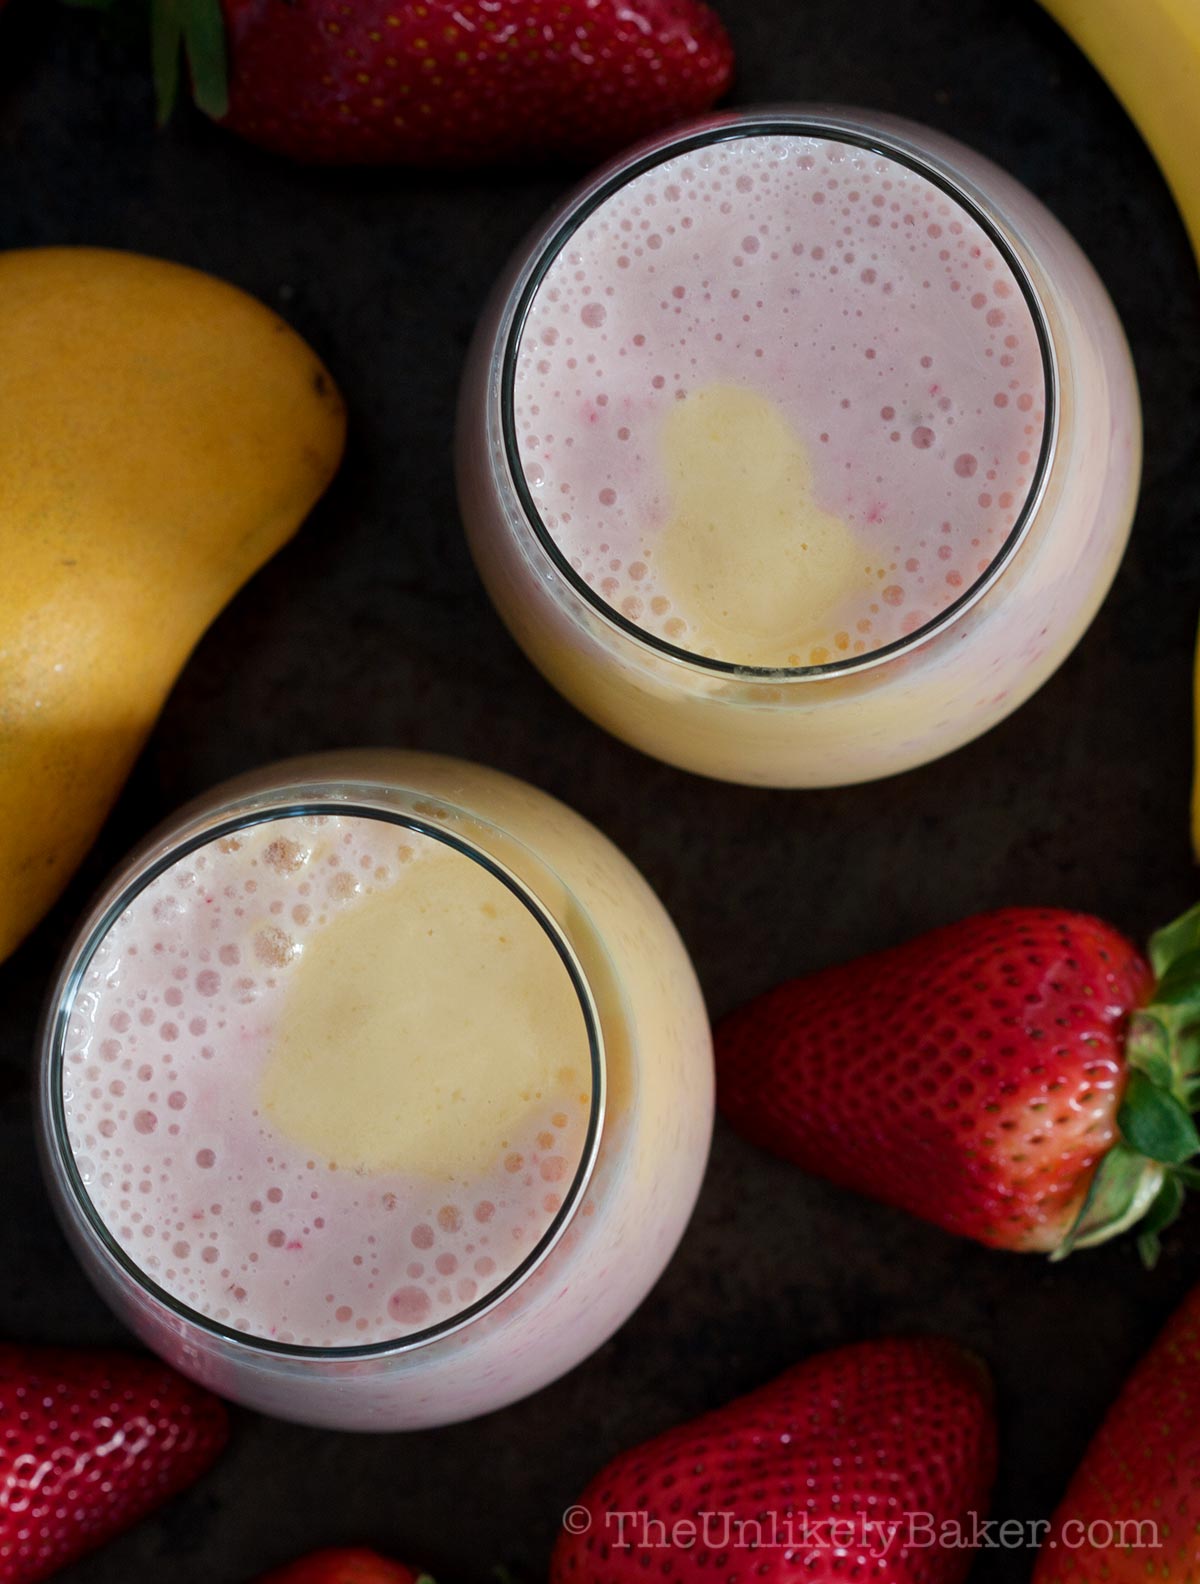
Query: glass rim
[53, 1047]
[777, 122]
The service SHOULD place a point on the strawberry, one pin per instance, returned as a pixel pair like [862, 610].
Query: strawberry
[344, 1565]
[1132, 1512]
[92, 1442]
[1025, 1078]
[443, 82]
[847, 1466]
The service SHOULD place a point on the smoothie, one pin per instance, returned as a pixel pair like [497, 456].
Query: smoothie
[780, 401]
[376, 1090]
[330, 1082]
[799, 448]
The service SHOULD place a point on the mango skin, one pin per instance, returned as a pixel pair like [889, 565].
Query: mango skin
[161, 435]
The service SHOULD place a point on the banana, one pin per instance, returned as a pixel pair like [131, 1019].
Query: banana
[1149, 53]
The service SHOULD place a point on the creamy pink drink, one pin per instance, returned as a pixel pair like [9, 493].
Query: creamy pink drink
[350, 1081]
[799, 451]
[331, 1081]
[780, 400]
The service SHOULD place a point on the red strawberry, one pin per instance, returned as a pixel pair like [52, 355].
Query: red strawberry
[845, 1467]
[1132, 1512]
[445, 82]
[979, 1076]
[92, 1442]
[345, 1565]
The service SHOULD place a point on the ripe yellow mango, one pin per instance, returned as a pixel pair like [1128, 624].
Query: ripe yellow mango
[161, 435]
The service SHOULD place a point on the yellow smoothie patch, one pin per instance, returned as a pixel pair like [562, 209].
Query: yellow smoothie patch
[760, 569]
[425, 1025]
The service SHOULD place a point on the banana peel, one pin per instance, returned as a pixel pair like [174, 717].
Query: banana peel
[1149, 53]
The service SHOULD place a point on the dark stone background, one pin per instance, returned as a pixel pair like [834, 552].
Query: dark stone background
[371, 627]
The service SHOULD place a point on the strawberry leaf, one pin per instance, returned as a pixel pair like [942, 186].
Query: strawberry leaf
[1164, 1212]
[1189, 1176]
[191, 30]
[1149, 1247]
[1148, 1048]
[1174, 941]
[1154, 1122]
[1179, 985]
[204, 44]
[166, 41]
[1185, 1047]
[1122, 1187]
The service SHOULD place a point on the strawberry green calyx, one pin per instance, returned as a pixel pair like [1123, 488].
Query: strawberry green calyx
[194, 29]
[189, 30]
[1143, 1178]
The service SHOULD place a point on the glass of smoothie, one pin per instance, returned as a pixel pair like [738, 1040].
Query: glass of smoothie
[799, 447]
[376, 1090]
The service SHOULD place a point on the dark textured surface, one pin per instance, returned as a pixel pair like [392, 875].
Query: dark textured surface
[371, 627]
